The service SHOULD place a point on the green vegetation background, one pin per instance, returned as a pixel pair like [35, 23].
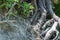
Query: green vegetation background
[56, 5]
[21, 8]
[25, 8]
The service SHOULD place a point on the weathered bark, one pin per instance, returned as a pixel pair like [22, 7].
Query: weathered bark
[21, 29]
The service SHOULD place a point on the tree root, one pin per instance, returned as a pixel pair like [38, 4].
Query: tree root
[39, 28]
[53, 29]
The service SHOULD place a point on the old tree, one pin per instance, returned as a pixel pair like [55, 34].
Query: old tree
[18, 23]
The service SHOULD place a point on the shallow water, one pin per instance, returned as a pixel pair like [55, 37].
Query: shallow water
[14, 31]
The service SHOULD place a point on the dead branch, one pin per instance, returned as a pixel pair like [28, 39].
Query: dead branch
[8, 21]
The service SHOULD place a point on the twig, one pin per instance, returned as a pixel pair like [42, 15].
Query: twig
[8, 21]
[10, 9]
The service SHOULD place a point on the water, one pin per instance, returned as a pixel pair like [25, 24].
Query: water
[14, 31]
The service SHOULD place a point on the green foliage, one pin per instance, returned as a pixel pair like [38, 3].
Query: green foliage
[57, 8]
[8, 3]
[25, 9]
